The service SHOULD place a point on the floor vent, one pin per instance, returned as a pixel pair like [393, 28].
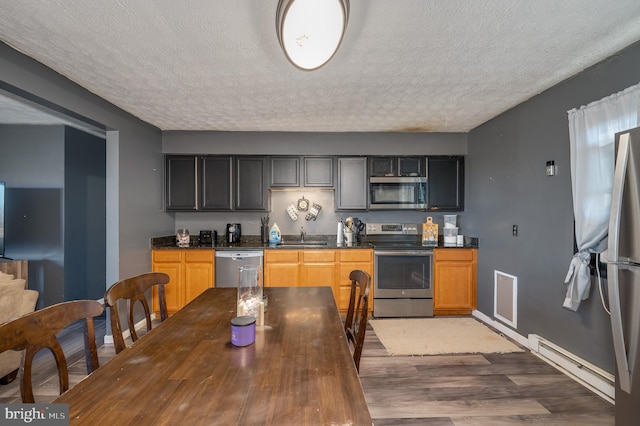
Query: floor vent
[505, 294]
[590, 376]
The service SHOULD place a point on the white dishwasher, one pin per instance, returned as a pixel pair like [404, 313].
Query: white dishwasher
[228, 262]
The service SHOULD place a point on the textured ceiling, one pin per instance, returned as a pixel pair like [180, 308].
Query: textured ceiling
[404, 65]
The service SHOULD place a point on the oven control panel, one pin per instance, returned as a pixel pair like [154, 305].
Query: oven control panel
[392, 229]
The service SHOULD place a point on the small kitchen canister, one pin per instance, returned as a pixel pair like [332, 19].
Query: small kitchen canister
[182, 237]
[243, 330]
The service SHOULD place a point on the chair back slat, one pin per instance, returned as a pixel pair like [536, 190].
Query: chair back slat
[133, 290]
[37, 330]
[355, 324]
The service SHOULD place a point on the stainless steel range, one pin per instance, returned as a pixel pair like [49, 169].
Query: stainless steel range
[403, 271]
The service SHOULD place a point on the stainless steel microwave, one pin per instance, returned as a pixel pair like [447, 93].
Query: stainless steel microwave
[397, 193]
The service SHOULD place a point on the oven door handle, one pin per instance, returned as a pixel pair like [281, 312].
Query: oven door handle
[403, 253]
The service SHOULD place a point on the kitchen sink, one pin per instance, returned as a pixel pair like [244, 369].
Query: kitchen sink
[304, 244]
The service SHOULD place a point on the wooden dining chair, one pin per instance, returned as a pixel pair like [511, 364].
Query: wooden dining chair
[133, 289]
[355, 324]
[37, 330]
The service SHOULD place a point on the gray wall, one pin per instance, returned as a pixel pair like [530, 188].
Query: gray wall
[55, 178]
[84, 215]
[325, 224]
[134, 160]
[297, 143]
[506, 185]
[32, 166]
[26, 149]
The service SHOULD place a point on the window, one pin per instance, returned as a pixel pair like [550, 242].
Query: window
[592, 130]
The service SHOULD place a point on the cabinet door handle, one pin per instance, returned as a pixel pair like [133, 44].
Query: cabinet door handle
[195, 176]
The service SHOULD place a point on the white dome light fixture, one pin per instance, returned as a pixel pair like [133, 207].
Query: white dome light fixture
[310, 31]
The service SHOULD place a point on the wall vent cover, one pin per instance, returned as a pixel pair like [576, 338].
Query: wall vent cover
[505, 294]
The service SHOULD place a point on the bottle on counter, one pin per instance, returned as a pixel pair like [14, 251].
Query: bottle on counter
[274, 235]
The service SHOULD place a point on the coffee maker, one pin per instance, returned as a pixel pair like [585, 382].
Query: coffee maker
[208, 238]
[233, 233]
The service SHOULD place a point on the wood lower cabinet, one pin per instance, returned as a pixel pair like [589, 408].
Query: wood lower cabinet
[170, 262]
[190, 273]
[281, 268]
[454, 291]
[349, 260]
[319, 269]
[295, 268]
[199, 273]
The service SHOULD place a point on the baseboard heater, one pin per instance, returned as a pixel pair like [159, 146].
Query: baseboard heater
[590, 376]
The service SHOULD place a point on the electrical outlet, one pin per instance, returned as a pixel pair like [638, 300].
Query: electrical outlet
[515, 230]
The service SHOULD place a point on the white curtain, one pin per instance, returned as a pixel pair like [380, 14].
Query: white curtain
[592, 130]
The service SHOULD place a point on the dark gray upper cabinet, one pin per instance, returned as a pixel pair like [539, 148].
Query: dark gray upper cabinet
[285, 172]
[396, 166]
[352, 189]
[318, 171]
[224, 183]
[181, 182]
[411, 166]
[446, 183]
[251, 177]
[383, 166]
[294, 172]
[216, 183]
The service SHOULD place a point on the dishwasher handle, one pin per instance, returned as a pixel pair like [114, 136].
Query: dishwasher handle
[238, 255]
[403, 252]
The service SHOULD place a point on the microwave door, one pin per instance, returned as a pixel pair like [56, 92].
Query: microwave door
[391, 194]
[397, 193]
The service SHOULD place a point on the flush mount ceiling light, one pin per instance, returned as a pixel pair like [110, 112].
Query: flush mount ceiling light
[310, 31]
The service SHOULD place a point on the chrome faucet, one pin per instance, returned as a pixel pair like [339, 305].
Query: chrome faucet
[302, 234]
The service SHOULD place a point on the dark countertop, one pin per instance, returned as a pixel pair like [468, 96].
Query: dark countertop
[170, 244]
[252, 242]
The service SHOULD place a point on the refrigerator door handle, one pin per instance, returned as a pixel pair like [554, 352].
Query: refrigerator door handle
[616, 198]
[624, 375]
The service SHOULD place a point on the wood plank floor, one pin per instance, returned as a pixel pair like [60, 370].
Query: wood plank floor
[465, 390]
[447, 390]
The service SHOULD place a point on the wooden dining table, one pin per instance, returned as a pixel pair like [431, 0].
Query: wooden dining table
[299, 370]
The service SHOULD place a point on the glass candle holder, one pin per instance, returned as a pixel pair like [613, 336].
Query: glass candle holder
[250, 282]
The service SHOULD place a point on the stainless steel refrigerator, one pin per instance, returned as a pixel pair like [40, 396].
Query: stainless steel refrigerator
[623, 275]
